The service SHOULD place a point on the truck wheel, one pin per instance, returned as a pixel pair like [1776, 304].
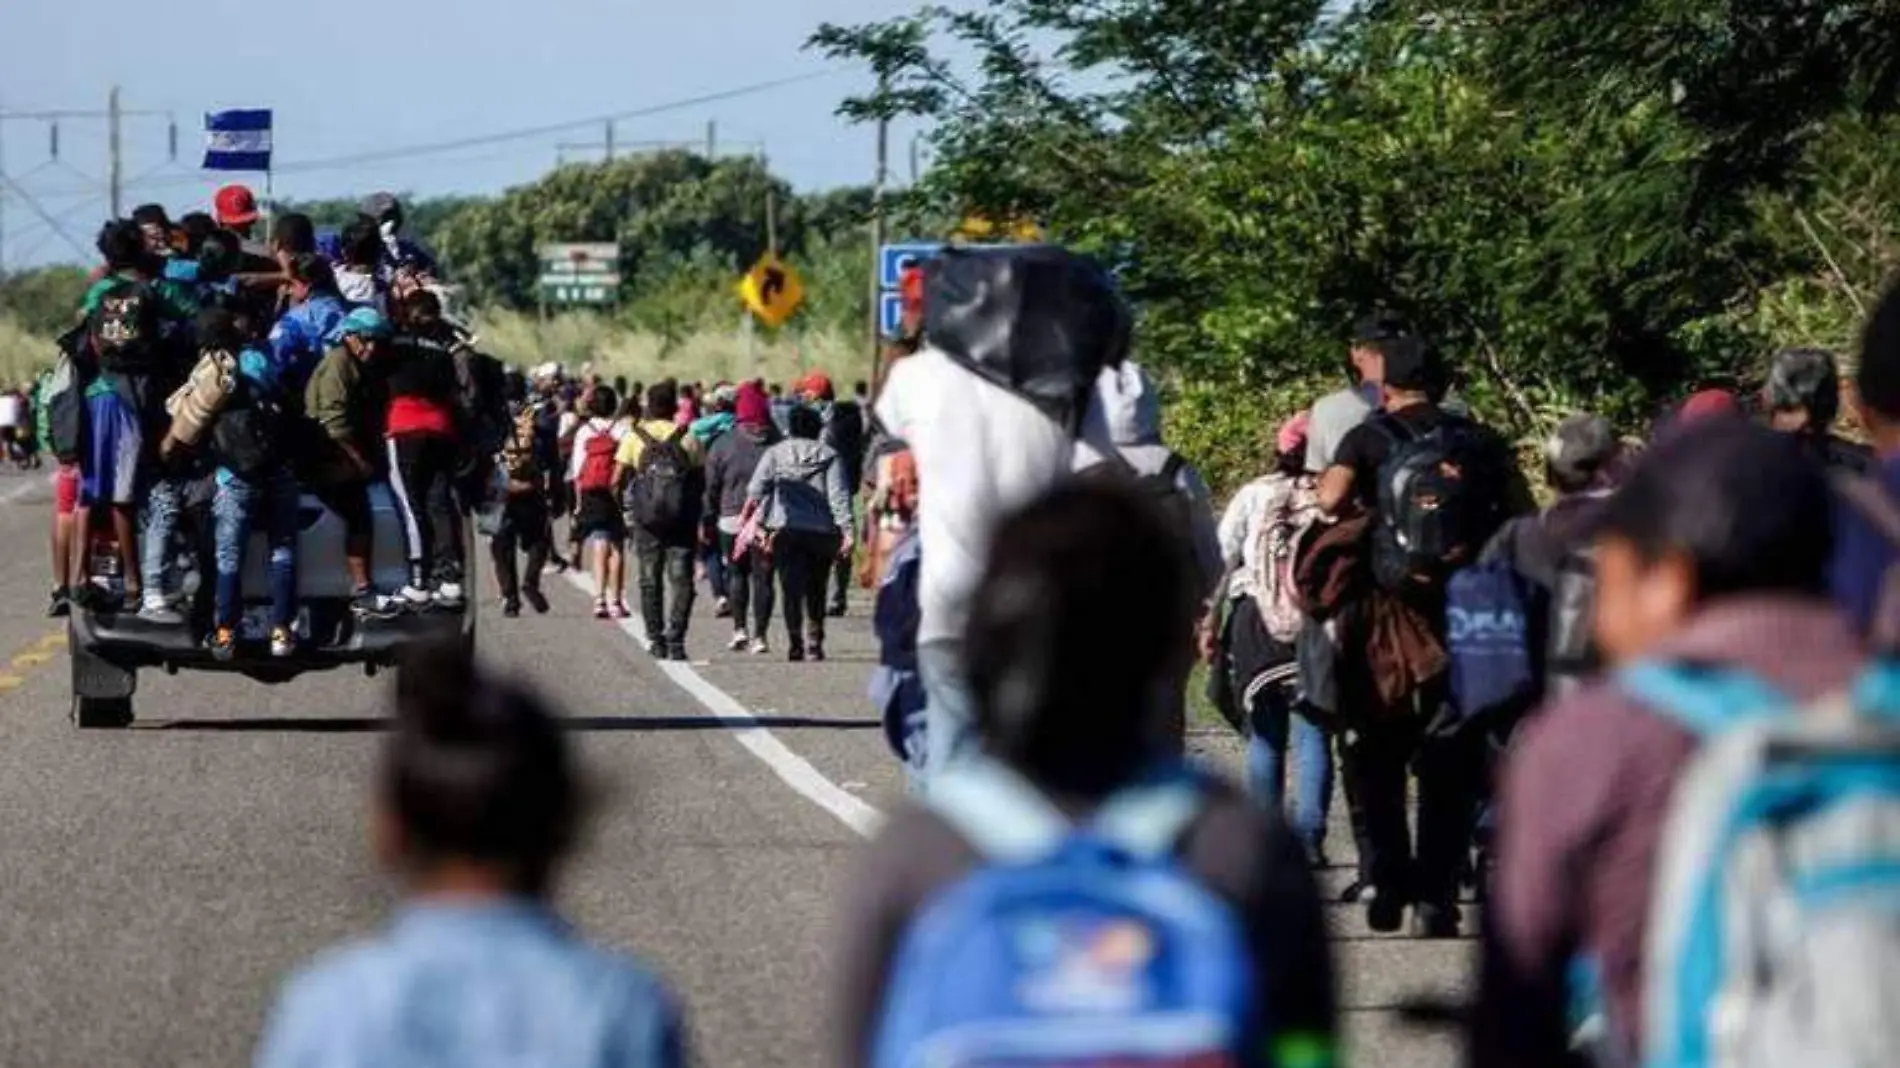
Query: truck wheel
[102, 713]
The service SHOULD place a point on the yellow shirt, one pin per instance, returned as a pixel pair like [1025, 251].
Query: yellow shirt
[660, 429]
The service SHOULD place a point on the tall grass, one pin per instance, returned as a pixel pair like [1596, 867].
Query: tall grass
[707, 354]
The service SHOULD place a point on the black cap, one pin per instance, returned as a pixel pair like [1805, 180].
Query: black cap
[1381, 326]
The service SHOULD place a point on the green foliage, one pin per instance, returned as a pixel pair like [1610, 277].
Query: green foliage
[43, 300]
[1591, 205]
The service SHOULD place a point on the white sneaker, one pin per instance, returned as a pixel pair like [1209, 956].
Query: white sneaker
[739, 641]
[759, 648]
[448, 595]
[414, 596]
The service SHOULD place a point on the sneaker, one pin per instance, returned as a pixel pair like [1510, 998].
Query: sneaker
[739, 641]
[836, 611]
[619, 610]
[1436, 921]
[600, 612]
[1357, 891]
[282, 642]
[677, 652]
[655, 647]
[815, 652]
[1385, 913]
[161, 614]
[795, 655]
[414, 597]
[223, 643]
[722, 609]
[368, 604]
[536, 599]
[759, 648]
[448, 595]
[510, 608]
[556, 563]
[60, 604]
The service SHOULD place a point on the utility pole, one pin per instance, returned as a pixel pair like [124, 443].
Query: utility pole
[771, 218]
[3, 199]
[610, 140]
[712, 139]
[115, 163]
[877, 242]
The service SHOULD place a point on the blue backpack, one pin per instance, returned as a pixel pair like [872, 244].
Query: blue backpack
[1072, 946]
[1774, 925]
[1488, 640]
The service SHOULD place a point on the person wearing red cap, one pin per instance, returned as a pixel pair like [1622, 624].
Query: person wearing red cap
[235, 209]
[844, 432]
[729, 468]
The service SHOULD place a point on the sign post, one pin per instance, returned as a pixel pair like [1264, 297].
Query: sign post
[580, 273]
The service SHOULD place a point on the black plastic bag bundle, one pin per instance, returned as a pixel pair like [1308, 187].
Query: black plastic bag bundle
[1038, 320]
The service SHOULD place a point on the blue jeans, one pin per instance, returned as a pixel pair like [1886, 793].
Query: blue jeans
[1273, 725]
[272, 500]
[949, 707]
[163, 501]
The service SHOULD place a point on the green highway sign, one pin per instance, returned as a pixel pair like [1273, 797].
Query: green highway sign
[580, 272]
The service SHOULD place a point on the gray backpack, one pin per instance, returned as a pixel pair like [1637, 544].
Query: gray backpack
[1774, 926]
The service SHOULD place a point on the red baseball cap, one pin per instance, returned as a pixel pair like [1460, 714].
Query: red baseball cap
[234, 205]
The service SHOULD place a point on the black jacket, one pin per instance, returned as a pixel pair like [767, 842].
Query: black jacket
[729, 468]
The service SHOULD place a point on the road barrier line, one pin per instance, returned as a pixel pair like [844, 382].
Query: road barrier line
[793, 770]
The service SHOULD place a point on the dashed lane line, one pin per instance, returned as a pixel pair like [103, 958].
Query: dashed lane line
[41, 651]
[793, 770]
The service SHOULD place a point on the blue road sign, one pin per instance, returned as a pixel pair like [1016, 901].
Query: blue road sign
[892, 259]
[890, 313]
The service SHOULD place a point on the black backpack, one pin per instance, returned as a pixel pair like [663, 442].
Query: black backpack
[1570, 653]
[1437, 500]
[248, 436]
[63, 395]
[1162, 487]
[126, 329]
[658, 494]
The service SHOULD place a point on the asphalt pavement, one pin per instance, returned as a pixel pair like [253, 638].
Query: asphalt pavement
[155, 883]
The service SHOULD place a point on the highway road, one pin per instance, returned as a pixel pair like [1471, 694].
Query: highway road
[156, 882]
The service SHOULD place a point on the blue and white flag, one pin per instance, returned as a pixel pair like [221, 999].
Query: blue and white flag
[237, 140]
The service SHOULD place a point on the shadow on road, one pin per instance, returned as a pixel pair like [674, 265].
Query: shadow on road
[604, 724]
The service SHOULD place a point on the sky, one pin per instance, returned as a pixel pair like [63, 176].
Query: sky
[353, 77]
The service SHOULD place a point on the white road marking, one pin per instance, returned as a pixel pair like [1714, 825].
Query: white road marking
[793, 770]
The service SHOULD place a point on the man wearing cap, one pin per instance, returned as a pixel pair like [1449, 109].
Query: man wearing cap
[844, 432]
[344, 401]
[1802, 397]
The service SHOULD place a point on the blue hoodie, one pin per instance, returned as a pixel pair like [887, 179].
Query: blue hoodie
[297, 341]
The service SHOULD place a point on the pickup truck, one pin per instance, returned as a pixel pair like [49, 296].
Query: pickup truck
[109, 647]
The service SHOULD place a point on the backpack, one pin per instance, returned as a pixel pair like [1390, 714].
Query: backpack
[597, 463]
[1869, 499]
[1772, 935]
[1434, 509]
[1070, 945]
[1277, 540]
[519, 458]
[1162, 487]
[1488, 641]
[658, 495]
[125, 328]
[63, 395]
[1570, 653]
[247, 438]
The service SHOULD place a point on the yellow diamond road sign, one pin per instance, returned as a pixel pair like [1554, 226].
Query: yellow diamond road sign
[772, 290]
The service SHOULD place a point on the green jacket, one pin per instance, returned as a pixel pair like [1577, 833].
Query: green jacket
[342, 400]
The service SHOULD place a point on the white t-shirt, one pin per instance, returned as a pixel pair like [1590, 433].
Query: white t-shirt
[12, 410]
[981, 451]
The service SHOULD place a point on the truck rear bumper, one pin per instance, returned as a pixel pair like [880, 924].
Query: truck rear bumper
[338, 640]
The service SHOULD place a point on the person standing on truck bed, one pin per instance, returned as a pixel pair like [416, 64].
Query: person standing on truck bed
[422, 451]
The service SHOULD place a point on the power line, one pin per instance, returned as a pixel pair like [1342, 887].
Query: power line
[523, 133]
